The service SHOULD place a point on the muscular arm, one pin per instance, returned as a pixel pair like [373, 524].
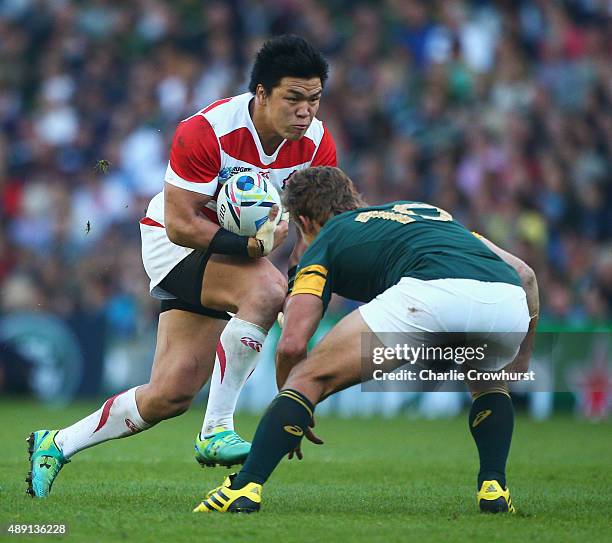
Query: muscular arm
[526, 274]
[530, 284]
[191, 181]
[185, 223]
[303, 313]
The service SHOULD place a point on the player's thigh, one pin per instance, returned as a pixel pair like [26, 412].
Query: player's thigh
[228, 281]
[335, 363]
[185, 352]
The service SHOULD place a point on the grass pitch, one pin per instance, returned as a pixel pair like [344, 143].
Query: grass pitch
[373, 480]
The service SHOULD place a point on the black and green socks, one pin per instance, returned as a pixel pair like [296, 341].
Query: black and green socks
[491, 423]
[279, 432]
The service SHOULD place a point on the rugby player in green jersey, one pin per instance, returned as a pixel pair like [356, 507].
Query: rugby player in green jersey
[422, 275]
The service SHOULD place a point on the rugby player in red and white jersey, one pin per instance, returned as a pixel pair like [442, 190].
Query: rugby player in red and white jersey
[201, 271]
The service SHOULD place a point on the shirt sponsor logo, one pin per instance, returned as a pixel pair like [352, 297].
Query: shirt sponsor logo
[228, 172]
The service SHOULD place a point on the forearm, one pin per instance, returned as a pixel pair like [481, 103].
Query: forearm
[525, 273]
[284, 365]
[185, 223]
[187, 226]
[292, 348]
[521, 362]
[530, 284]
[224, 242]
[302, 316]
[195, 231]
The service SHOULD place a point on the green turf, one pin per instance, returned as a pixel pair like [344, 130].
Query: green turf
[373, 480]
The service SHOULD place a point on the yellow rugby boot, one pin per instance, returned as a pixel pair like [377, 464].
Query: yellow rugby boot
[492, 498]
[225, 500]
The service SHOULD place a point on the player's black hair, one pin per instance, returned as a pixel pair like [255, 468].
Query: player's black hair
[286, 56]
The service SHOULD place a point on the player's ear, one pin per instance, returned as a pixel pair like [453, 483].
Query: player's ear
[261, 95]
[305, 225]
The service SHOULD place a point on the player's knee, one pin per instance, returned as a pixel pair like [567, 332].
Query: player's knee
[267, 291]
[280, 288]
[274, 284]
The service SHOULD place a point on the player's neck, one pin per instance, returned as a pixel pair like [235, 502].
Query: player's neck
[269, 138]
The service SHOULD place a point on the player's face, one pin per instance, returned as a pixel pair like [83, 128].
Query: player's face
[292, 106]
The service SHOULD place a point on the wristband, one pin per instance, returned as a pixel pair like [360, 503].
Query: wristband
[225, 242]
[291, 278]
[255, 248]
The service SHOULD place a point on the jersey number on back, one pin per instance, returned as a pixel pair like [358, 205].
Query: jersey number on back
[406, 213]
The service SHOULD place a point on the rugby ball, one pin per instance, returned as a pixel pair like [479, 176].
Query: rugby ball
[244, 203]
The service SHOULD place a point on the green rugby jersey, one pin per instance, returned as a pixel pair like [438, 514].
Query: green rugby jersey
[359, 254]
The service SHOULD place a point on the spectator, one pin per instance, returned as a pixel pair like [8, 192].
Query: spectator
[500, 113]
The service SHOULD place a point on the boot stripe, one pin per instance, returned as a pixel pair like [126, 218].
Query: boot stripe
[221, 495]
[212, 505]
[214, 500]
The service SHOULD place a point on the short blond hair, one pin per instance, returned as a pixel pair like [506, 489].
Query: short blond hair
[320, 193]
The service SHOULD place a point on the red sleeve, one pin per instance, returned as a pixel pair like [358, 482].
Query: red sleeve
[195, 159]
[326, 153]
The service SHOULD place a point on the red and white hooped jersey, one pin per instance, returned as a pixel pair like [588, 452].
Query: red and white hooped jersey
[220, 141]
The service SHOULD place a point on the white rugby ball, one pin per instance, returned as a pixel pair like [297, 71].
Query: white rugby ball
[244, 203]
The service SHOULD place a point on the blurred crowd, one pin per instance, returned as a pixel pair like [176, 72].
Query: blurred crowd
[500, 112]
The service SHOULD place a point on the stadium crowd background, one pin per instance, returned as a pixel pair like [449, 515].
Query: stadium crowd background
[499, 112]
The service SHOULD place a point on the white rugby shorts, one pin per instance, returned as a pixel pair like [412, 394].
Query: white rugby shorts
[159, 254]
[419, 311]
